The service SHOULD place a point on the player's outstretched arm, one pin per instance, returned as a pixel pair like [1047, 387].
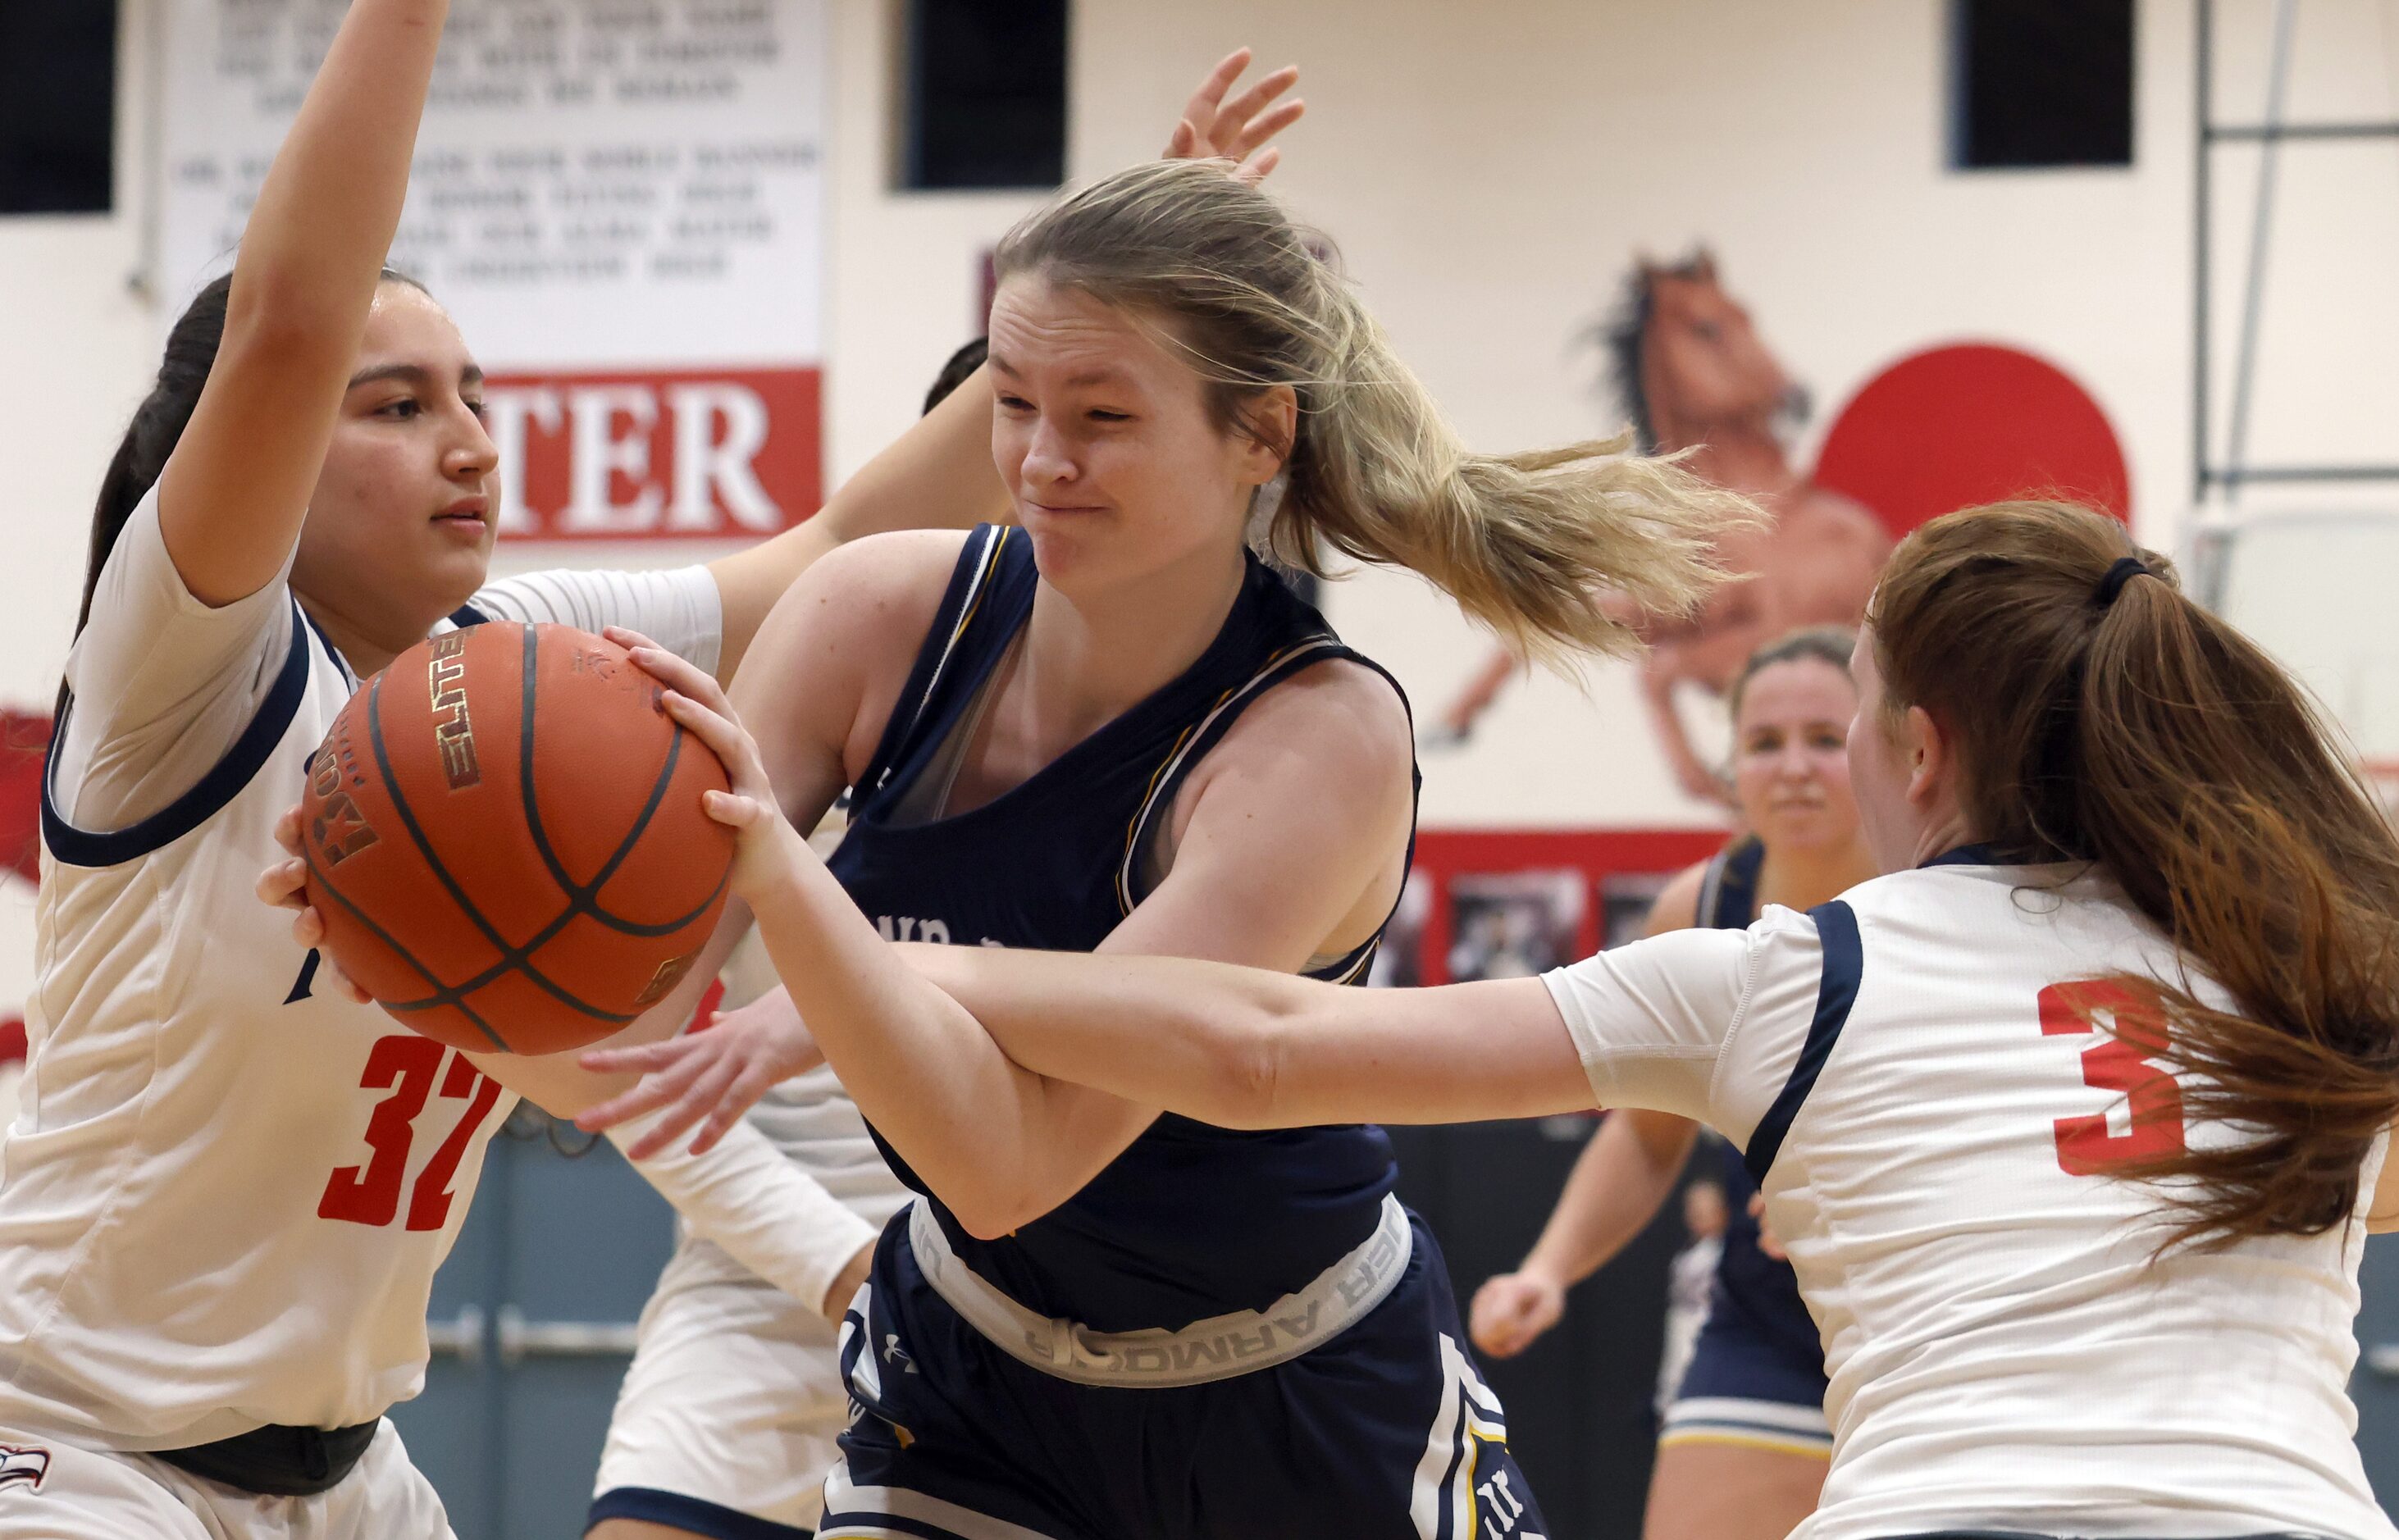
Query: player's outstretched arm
[1617, 1185]
[236, 489]
[939, 474]
[1620, 1181]
[1245, 1048]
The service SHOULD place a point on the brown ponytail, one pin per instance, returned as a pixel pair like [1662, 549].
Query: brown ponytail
[2134, 730]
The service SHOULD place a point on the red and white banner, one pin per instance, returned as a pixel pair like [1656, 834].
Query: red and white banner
[621, 205]
[710, 454]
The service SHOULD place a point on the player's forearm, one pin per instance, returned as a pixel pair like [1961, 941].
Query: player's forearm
[1245, 1048]
[922, 1070]
[1613, 1191]
[1193, 1037]
[757, 1206]
[329, 205]
[311, 257]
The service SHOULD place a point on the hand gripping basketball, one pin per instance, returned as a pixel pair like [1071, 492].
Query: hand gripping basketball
[696, 702]
[503, 839]
[712, 1078]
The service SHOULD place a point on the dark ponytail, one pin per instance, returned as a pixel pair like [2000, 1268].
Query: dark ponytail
[2106, 718]
[157, 426]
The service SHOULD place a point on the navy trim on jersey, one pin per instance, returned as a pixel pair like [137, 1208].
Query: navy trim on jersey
[694, 1514]
[1837, 926]
[1729, 896]
[1965, 854]
[1194, 746]
[968, 580]
[466, 615]
[225, 780]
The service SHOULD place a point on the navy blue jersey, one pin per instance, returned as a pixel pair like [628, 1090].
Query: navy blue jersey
[1191, 1221]
[1749, 1281]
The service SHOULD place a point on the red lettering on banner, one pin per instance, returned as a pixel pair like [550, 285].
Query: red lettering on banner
[663, 456]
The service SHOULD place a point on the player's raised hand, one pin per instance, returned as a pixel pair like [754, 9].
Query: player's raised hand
[1512, 1309]
[708, 1078]
[1239, 131]
[285, 886]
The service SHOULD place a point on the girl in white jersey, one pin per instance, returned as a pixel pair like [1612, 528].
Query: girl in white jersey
[2069, 1121]
[230, 1184]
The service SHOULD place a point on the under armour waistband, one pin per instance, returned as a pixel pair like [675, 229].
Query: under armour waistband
[1217, 1348]
[276, 1461]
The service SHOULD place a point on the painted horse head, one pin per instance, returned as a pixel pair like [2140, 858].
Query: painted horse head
[1685, 362]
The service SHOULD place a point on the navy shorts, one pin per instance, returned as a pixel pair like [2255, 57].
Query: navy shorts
[1757, 1378]
[1387, 1432]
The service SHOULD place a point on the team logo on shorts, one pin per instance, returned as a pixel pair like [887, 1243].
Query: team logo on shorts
[24, 1464]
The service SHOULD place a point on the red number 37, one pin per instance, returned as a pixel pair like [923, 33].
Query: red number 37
[368, 1193]
[2136, 1028]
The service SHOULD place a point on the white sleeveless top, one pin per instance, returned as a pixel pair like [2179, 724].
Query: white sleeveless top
[1930, 1120]
[225, 1193]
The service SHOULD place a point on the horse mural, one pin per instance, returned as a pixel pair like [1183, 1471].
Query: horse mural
[1692, 375]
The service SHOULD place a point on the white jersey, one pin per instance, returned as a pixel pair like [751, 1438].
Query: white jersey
[226, 1191]
[1931, 1118]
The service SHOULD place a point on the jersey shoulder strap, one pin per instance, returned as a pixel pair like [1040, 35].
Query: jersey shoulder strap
[989, 596]
[1728, 892]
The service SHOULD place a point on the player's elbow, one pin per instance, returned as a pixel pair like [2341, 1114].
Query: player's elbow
[985, 1219]
[999, 1199]
[1251, 1053]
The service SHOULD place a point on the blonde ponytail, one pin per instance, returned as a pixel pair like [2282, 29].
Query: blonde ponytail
[1554, 550]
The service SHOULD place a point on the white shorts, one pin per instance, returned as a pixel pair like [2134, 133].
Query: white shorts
[50, 1490]
[733, 1402]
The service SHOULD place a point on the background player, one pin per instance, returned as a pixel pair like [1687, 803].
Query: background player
[228, 1188]
[726, 1423]
[1120, 732]
[1742, 1445]
[2070, 1123]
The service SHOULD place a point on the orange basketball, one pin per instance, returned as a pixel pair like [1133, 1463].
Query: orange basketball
[504, 834]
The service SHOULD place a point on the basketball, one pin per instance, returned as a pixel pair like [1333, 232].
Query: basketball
[504, 834]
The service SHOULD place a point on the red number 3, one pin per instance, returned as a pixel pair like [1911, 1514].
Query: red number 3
[2137, 1028]
[370, 1193]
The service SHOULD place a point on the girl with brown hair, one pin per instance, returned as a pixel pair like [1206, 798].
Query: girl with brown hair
[2071, 1122]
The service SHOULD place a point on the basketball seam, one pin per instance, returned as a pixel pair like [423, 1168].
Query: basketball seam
[441, 873]
[514, 957]
[582, 897]
[326, 882]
